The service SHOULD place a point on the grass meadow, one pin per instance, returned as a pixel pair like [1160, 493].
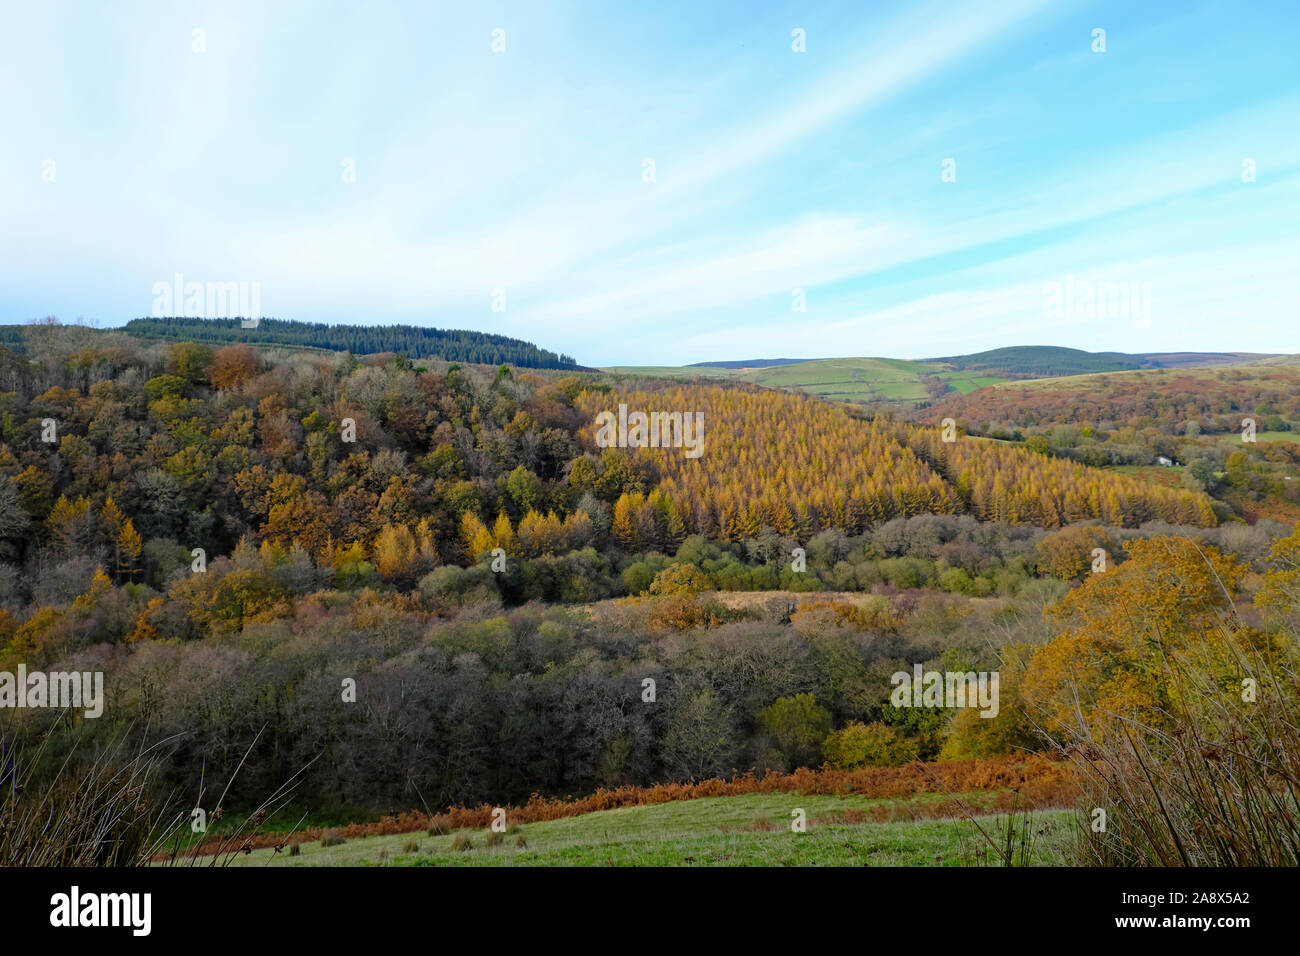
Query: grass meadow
[747, 830]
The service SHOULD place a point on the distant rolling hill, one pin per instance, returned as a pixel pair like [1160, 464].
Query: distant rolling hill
[1045, 361]
[906, 383]
[752, 363]
[1041, 360]
[1205, 359]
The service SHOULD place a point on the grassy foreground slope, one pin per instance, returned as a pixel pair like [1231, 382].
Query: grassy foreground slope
[748, 830]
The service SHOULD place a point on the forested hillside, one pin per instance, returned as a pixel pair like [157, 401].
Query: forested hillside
[798, 465]
[416, 342]
[1212, 400]
[1231, 432]
[130, 458]
[203, 448]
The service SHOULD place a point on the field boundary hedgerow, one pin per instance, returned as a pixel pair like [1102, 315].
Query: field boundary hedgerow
[1036, 782]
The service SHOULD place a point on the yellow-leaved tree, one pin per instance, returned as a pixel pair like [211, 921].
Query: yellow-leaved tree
[1131, 634]
[475, 536]
[1279, 596]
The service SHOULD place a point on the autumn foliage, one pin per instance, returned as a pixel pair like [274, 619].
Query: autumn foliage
[798, 465]
[1125, 629]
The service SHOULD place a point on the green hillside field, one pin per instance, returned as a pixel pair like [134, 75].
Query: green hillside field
[864, 380]
[746, 830]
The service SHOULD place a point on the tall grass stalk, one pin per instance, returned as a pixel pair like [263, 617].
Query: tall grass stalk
[1217, 783]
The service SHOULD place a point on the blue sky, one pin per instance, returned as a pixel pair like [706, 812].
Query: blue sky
[523, 170]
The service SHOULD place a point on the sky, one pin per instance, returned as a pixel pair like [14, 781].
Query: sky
[667, 183]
